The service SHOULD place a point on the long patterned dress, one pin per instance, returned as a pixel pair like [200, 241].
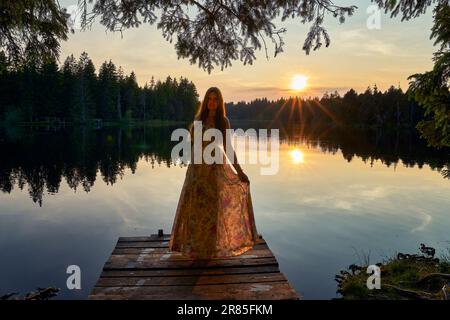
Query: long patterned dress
[214, 216]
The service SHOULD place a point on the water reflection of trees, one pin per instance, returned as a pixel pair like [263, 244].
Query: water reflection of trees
[390, 147]
[41, 159]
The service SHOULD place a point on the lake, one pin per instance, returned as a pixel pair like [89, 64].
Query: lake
[339, 197]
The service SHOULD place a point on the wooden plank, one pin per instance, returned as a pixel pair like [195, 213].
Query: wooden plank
[241, 291]
[150, 244]
[190, 280]
[153, 237]
[187, 272]
[121, 262]
[163, 250]
[143, 244]
[148, 255]
[140, 250]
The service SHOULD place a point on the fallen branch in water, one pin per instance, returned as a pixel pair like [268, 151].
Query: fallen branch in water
[410, 293]
[433, 276]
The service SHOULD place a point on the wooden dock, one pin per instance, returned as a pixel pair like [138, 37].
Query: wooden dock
[144, 268]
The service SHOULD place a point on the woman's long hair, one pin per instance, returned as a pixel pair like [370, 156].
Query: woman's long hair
[202, 113]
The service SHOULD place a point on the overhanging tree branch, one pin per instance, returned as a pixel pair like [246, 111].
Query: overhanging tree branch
[221, 31]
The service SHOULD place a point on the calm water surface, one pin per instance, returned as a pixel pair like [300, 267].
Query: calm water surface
[338, 197]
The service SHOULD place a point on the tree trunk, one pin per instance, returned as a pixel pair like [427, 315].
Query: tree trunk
[119, 107]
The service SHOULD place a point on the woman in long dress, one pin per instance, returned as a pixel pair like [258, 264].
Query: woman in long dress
[214, 216]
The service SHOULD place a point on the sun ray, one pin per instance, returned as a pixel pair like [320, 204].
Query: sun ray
[327, 112]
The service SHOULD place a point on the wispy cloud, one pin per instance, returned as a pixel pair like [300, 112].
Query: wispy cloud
[425, 222]
[365, 43]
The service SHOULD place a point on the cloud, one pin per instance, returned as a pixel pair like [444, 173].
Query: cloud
[426, 221]
[257, 89]
[363, 43]
[375, 193]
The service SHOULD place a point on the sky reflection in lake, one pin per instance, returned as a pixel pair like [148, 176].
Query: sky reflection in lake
[319, 214]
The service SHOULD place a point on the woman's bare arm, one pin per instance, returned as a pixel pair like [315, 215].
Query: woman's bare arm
[235, 163]
[230, 148]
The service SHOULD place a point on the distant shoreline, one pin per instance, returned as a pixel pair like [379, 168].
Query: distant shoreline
[152, 122]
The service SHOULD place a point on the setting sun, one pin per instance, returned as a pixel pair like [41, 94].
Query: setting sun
[297, 156]
[299, 82]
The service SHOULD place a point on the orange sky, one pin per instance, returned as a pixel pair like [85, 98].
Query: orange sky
[358, 57]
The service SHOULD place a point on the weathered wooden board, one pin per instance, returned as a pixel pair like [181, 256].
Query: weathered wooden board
[144, 268]
[241, 291]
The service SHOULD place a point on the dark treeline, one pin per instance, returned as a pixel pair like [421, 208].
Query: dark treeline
[372, 108]
[75, 92]
[40, 160]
